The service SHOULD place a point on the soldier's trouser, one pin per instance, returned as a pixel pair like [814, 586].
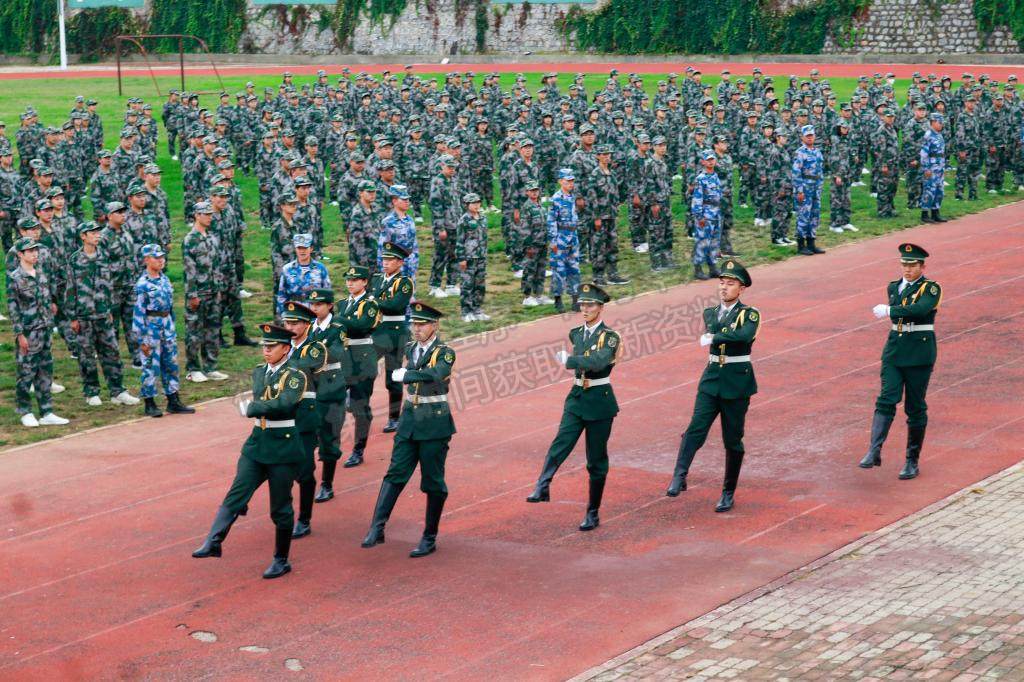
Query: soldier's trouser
[585, 232]
[172, 139]
[885, 187]
[746, 184]
[932, 191]
[967, 170]
[727, 218]
[266, 208]
[911, 381]
[305, 475]
[429, 454]
[597, 433]
[914, 179]
[239, 261]
[638, 218]
[533, 271]
[392, 360]
[808, 214]
[7, 230]
[202, 335]
[782, 210]
[231, 305]
[162, 360]
[839, 204]
[734, 416]
[34, 370]
[484, 186]
[250, 475]
[97, 340]
[605, 246]
[122, 308]
[506, 226]
[332, 418]
[565, 264]
[660, 227]
[762, 200]
[474, 285]
[995, 168]
[706, 241]
[418, 193]
[359, 394]
[443, 260]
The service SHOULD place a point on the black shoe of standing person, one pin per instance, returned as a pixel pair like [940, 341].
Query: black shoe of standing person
[175, 406]
[151, 409]
[391, 426]
[242, 339]
[355, 459]
[726, 501]
[937, 216]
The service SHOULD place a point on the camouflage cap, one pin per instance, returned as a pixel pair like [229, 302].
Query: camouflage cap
[88, 226]
[302, 239]
[114, 207]
[288, 198]
[203, 208]
[152, 251]
[152, 169]
[470, 198]
[219, 191]
[43, 205]
[25, 244]
[398, 192]
[367, 186]
[386, 164]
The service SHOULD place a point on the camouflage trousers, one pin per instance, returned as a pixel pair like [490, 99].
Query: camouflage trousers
[748, 178]
[996, 165]
[638, 219]
[266, 209]
[839, 203]
[762, 197]
[7, 230]
[418, 192]
[914, 178]
[782, 211]
[725, 208]
[660, 231]
[122, 305]
[885, 185]
[967, 171]
[533, 270]
[474, 285]
[231, 306]
[172, 138]
[808, 213]
[565, 264]
[34, 370]
[202, 335]
[443, 260]
[605, 247]
[932, 191]
[98, 342]
[585, 233]
[706, 239]
[246, 156]
[506, 226]
[162, 359]
[483, 184]
[362, 250]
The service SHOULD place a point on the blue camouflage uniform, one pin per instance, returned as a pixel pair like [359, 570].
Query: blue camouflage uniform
[400, 231]
[298, 280]
[808, 168]
[933, 158]
[705, 206]
[565, 262]
[153, 326]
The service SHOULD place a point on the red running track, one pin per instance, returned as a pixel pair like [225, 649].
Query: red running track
[98, 582]
[775, 69]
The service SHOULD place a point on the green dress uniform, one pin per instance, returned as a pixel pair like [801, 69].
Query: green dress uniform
[907, 362]
[393, 295]
[424, 431]
[359, 317]
[725, 388]
[590, 407]
[331, 391]
[273, 453]
[308, 356]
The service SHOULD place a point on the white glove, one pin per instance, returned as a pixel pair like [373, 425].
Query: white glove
[561, 356]
[705, 339]
[398, 374]
[243, 407]
[881, 310]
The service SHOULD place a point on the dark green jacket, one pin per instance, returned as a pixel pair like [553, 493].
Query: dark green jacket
[733, 336]
[916, 305]
[430, 377]
[593, 359]
[331, 377]
[359, 320]
[275, 399]
[392, 297]
[308, 358]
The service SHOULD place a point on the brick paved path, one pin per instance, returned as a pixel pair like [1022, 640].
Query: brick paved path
[937, 596]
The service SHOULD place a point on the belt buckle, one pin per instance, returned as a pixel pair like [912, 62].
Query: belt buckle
[345, 341]
[415, 399]
[586, 383]
[263, 423]
[899, 326]
[721, 359]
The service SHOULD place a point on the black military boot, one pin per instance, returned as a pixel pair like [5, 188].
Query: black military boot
[175, 406]
[428, 543]
[733, 464]
[879, 432]
[801, 247]
[698, 272]
[575, 303]
[541, 493]
[812, 245]
[937, 216]
[926, 217]
[617, 278]
[386, 500]
[915, 439]
[307, 491]
[218, 531]
[356, 458]
[559, 308]
[326, 491]
[151, 409]
[241, 339]
[714, 271]
[591, 521]
[279, 566]
[687, 450]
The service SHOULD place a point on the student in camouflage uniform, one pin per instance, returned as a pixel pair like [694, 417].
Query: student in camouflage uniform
[31, 308]
[724, 171]
[604, 201]
[967, 143]
[88, 306]
[842, 167]
[153, 326]
[363, 227]
[885, 171]
[471, 255]
[444, 201]
[563, 240]
[808, 170]
[10, 199]
[704, 206]
[636, 161]
[779, 164]
[913, 132]
[657, 196]
[122, 254]
[398, 227]
[204, 282]
[533, 235]
[302, 275]
[933, 168]
[997, 129]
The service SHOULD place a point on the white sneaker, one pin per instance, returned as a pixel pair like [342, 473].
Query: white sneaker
[334, 203]
[242, 293]
[93, 401]
[641, 248]
[518, 274]
[174, 158]
[437, 293]
[2, 318]
[453, 290]
[547, 273]
[196, 377]
[992, 191]
[744, 206]
[677, 177]
[1020, 188]
[481, 315]
[545, 300]
[124, 398]
[849, 227]
[57, 388]
[216, 375]
[419, 220]
[29, 420]
[836, 228]
[530, 302]
[874, 195]
[50, 419]
[865, 171]
[469, 317]
[857, 184]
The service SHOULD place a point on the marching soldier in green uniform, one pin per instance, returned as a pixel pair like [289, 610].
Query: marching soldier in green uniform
[590, 405]
[308, 356]
[392, 291]
[726, 384]
[272, 452]
[330, 386]
[907, 359]
[424, 429]
[359, 316]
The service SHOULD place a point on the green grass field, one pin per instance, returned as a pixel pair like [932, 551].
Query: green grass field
[54, 99]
